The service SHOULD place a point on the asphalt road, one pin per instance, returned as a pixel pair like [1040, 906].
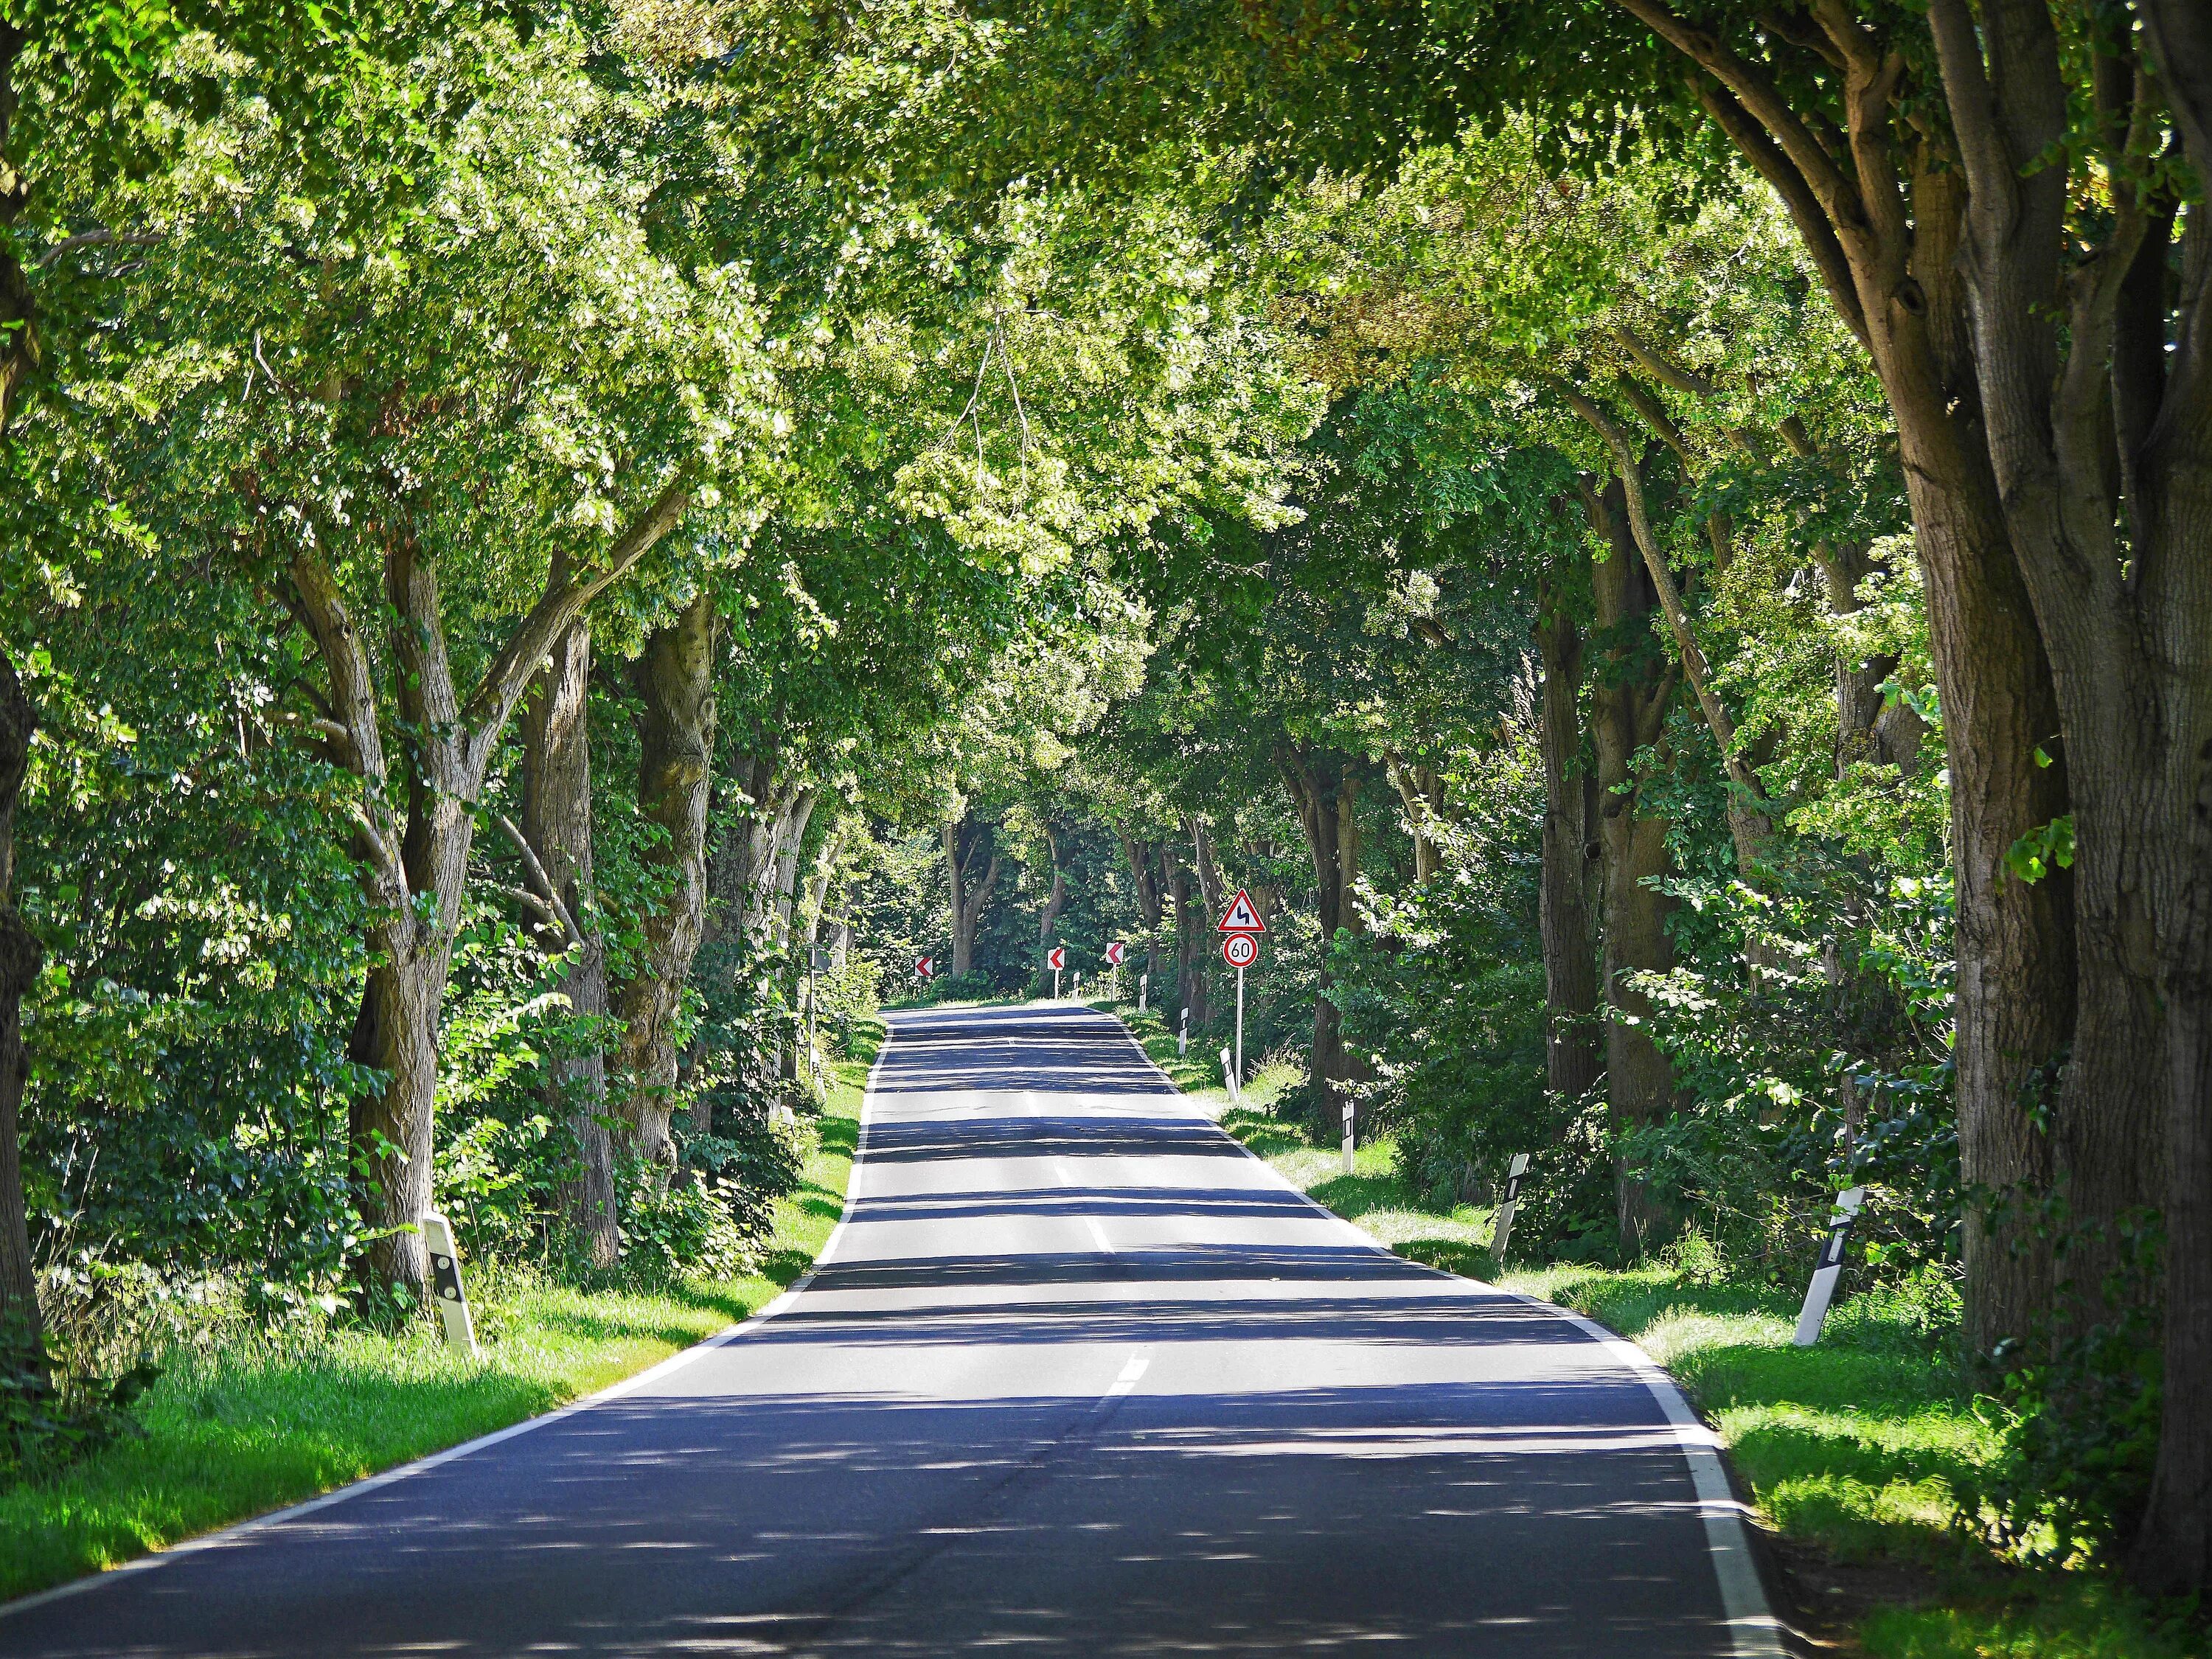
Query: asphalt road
[1077, 1376]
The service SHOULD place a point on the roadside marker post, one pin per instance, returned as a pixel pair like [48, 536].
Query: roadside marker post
[1182, 1037]
[1347, 1137]
[1229, 1075]
[445, 1285]
[1056, 959]
[1144, 990]
[1503, 1230]
[1829, 1268]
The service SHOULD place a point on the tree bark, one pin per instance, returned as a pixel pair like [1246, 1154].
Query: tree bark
[1628, 711]
[557, 820]
[791, 831]
[674, 679]
[1574, 1056]
[1749, 825]
[21, 957]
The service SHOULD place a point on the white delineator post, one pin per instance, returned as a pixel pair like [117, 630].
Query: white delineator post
[1056, 985]
[1228, 1074]
[1503, 1230]
[1182, 1037]
[1144, 990]
[1347, 1137]
[445, 1285]
[1822, 1290]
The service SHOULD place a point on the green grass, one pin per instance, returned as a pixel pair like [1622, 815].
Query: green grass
[1845, 1447]
[255, 1426]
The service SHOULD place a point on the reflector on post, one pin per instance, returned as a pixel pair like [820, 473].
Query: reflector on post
[445, 1285]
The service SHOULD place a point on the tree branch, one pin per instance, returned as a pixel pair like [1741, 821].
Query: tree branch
[1694, 665]
[70, 244]
[1664, 368]
[555, 909]
[563, 601]
[1821, 243]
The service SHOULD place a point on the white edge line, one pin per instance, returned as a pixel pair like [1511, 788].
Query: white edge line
[1754, 1631]
[158, 1558]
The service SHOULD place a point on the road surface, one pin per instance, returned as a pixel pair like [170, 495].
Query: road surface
[1077, 1375]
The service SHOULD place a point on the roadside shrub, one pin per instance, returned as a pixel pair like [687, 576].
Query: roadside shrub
[681, 1228]
[2077, 1413]
[50, 1416]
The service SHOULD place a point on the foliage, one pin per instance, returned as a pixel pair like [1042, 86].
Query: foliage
[2076, 1417]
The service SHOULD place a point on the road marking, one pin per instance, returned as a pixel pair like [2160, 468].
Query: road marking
[1131, 1373]
[1097, 1233]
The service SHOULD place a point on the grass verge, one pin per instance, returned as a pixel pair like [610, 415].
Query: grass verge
[252, 1428]
[1847, 1447]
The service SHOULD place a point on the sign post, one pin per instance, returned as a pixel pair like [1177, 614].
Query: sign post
[445, 1285]
[1240, 948]
[1829, 1268]
[1240, 1028]
[1503, 1230]
[1056, 959]
[1115, 953]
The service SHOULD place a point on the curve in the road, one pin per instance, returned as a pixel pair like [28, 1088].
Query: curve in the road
[1076, 1375]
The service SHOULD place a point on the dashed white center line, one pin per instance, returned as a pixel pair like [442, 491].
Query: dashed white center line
[1097, 1233]
[1130, 1374]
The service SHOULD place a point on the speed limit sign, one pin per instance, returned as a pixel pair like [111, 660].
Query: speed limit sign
[1240, 950]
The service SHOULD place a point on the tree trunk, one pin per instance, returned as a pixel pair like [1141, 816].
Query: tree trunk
[1418, 788]
[1323, 789]
[791, 831]
[965, 843]
[1573, 1053]
[1628, 711]
[2099, 437]
[1056, 897]
[1190, 941]
[1212, 889]
[674, 679]
[1144, 874]
[557, 820]
[21, 957]
[1885, 236]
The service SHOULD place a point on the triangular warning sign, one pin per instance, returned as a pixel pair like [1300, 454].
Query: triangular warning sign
[1243, 917]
